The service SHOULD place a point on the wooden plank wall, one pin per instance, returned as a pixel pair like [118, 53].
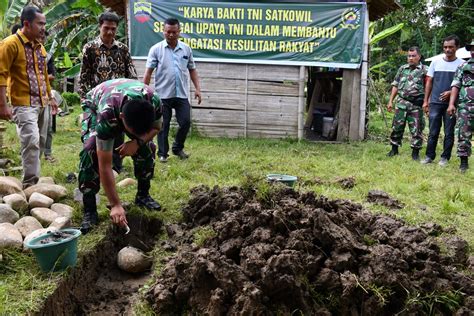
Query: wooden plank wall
[241, 100]
[349, 111]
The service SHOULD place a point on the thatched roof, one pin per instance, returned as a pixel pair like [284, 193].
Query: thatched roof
[377, 8]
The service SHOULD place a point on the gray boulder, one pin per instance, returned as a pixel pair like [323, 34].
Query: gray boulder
[40, 200]
[10, 185]
[17, 202]
[62, 209]
[28, 224]
[44, 215]
[133, 260]
[60, 223]
[10, 237]
[53, 191]
[8, 215]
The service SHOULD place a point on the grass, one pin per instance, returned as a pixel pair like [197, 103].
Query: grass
[430, 193]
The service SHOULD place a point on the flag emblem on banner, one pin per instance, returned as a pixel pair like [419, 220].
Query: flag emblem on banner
[350, 19]
[142, 11]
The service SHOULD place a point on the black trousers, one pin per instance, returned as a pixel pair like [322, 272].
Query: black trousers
[182, 110]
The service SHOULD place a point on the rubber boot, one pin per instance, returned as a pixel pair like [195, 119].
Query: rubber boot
[91, 217]
[464, 164]
[393, 152]
[415, 154]
[143, 197]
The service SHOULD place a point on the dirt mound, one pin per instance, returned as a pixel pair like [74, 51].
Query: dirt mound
[281, 252]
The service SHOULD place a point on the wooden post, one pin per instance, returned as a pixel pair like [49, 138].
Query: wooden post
[355, 106]
[344, 117]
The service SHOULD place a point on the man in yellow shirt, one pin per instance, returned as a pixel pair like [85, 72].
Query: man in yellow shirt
[24, 61]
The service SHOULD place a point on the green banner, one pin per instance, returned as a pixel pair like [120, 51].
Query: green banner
[323, 34]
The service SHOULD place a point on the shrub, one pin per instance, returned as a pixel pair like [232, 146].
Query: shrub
[72, 98]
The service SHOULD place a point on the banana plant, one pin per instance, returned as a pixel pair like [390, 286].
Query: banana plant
[374, 39]
[10, 11]
[71, 24]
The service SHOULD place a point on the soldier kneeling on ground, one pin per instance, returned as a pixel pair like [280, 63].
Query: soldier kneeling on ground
[112, 108]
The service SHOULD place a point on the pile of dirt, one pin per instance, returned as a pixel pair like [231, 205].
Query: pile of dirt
[282, 252]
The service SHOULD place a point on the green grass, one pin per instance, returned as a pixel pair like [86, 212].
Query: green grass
[430, 193]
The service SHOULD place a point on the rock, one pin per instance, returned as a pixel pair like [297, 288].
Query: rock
[133, 260]
[47, 180]
[7, 214]
[35, 234]
[10, 185]
[61, 222]
[53, 191]
[40, 200]
[62, 209]
[116, 174]
[126, 182]
[17, 202]
[44, 215]
[10, 237]
[28, 224]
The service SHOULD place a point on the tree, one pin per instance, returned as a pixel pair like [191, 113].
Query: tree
[10, 11]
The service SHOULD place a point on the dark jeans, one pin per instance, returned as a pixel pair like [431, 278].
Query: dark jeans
[182, 109]
[437, 117]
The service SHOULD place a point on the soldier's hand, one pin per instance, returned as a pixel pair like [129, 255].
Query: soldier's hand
[117, 215]
[451, 110]
[128, 149]
[389, 107]
[426, 108]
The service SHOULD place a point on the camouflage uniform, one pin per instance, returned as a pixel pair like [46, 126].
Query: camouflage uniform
[464, 81]
[102, 107]
[410, 84]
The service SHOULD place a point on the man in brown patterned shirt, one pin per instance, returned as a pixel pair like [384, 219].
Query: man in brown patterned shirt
[104, 59]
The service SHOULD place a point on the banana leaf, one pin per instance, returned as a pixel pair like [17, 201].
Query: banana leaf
[386, 33]
[73, 71]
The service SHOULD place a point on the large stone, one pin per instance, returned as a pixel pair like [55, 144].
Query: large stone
[28, 224]
[133, 260]
[126, 183]
[10, 237]
[10, 185]
[44, 215]
[47, 180]
[34, 234]
[60, 223]
[62, 209]
[17, 202]
[53, 191]
[7, 214]
[40, 200]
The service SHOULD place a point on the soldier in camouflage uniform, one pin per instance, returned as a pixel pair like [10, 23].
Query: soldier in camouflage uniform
[112, 108]
[463, 86]
[408, 86]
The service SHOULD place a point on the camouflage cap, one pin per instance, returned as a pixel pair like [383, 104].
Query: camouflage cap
[469, 46]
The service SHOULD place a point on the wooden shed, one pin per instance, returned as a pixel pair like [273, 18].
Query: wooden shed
[275, 100]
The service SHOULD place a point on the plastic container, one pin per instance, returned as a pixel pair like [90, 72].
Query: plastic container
[327, 124]
[55, 255]
[283, 178]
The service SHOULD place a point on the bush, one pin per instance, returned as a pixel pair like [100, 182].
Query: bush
[72, 98]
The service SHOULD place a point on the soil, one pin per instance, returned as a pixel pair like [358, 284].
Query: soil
[284, 252]
[96, 286]
[56, 236]
[381, 197]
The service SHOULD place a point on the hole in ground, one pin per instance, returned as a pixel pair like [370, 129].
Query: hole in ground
[96, 286]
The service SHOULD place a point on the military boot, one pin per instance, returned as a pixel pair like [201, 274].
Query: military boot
[464, 164]
[415, 154]
[91, 217]
[393, 152]
[143, 197]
